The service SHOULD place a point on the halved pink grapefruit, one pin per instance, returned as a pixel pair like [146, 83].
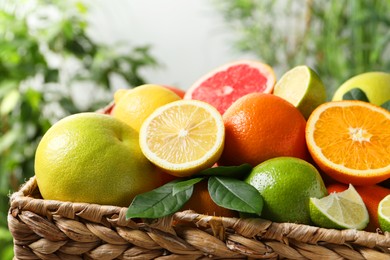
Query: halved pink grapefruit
[225, 84]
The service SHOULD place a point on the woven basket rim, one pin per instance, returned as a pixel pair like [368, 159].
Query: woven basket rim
[24, 200]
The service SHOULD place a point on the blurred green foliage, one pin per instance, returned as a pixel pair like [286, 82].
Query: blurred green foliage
[46, 56]
[337, 38]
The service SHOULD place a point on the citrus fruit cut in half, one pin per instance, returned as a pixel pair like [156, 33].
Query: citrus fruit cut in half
[225, 84]
[302, 87]
[262, 126]
[371, 196]
[286, 185]
[384, 214]
[341, 210]
[133, 106]
[183, 137]
[349, 140]
[376, 86]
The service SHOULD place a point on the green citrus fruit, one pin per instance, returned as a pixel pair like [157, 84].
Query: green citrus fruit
[376, 86]
[287, 184]
[133, 106]
[93, 158]
[384, 213]
[302, 87]
[340, 210]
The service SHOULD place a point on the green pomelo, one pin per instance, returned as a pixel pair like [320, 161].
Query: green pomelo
[376, 86]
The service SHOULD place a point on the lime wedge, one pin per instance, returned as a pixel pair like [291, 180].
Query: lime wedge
[384, 213]
[302, 87]
[342, 210]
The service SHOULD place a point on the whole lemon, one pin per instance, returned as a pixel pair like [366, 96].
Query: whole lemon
[133, 106]
[93, 158]
[286, 185]
[376, 86]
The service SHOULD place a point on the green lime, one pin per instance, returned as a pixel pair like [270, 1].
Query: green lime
[302, 87]
[376, 86]
[341, 210]
[287, 184]
[384, 213]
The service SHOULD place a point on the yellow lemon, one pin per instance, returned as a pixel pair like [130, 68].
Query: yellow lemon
[93, 158]
[133, 106]
[183, 137]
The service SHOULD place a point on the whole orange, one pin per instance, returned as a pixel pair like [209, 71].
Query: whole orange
[371, 196]
[262, 126]
[202, 203]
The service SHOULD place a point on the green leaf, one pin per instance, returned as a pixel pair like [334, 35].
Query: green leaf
[7, 86]
[5, 234]
[8, 139]
[237, 172]
[159, 202]
[235, 194]
[386, 105]
[52, 75]
[185, 185]
[9, 102]
[356, 94]
[8, 252]
[33, 98]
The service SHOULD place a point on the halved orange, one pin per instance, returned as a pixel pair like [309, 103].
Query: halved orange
[350, 141]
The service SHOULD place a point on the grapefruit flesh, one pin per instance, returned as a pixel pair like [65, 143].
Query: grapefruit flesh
[224, 85]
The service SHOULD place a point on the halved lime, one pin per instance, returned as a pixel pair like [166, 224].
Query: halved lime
[384, 213]
[302, 87]
[342, 210]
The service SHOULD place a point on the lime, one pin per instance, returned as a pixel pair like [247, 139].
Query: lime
[384, 213]
[376, 86]
[93, 158]
[133, 106]
[302, 87]
[287, 184]
[340, 210]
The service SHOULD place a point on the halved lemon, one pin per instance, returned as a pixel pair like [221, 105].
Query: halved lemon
[183, 137]
[350, 141]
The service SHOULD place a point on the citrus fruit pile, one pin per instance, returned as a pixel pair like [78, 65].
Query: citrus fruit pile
[237, 143]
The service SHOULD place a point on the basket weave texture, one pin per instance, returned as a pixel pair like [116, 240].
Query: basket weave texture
[48, 229]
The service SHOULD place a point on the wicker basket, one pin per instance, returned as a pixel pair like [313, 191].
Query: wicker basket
[47, 229]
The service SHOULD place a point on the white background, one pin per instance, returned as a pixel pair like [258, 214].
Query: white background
[188, 37]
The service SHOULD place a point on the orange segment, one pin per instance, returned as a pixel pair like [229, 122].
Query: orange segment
[350, 141]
